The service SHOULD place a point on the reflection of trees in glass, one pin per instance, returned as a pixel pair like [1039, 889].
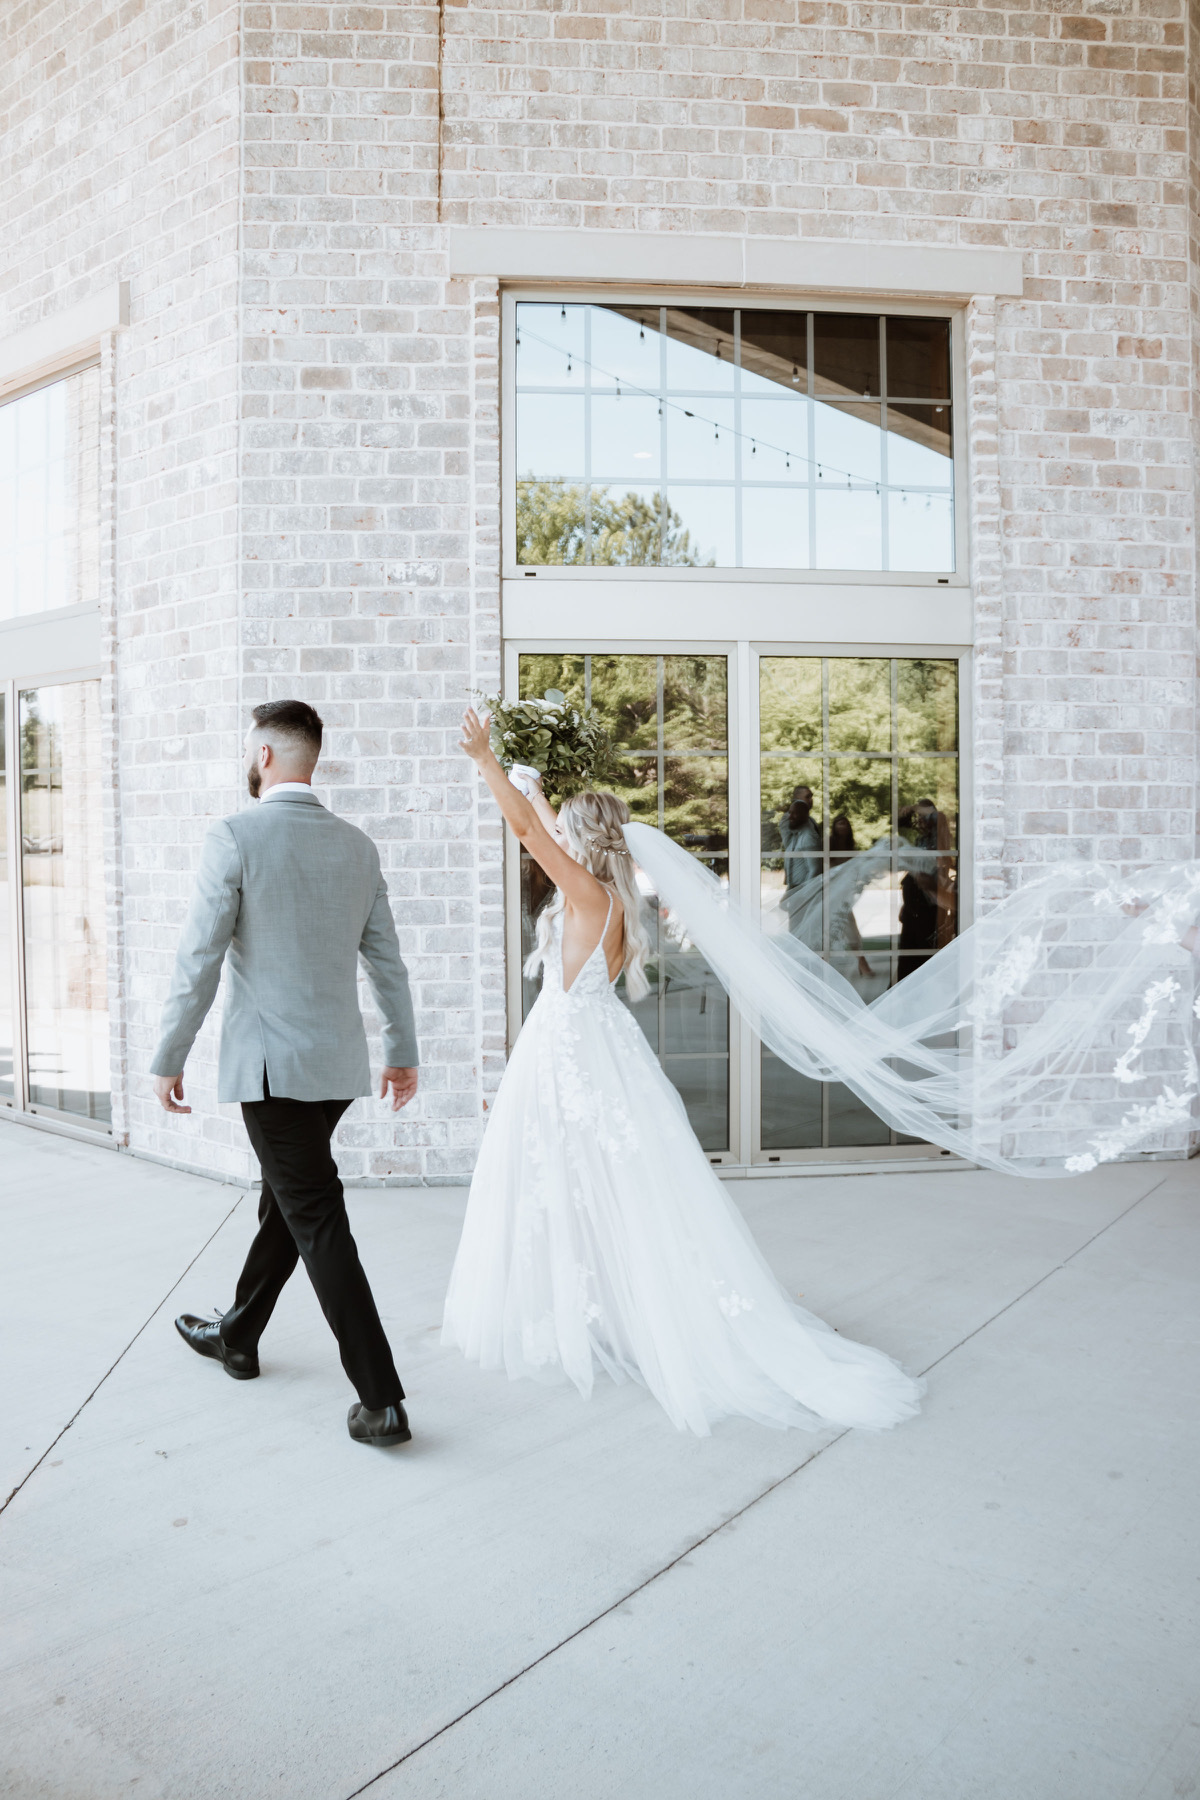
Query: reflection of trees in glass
[692, 786]
[625, 694]
[32, 729]
[696, 806]
[627, 530]
[790, 702]
[41, 779]
[860, 704]
[694, 703]
[927, 704]
[862, 791]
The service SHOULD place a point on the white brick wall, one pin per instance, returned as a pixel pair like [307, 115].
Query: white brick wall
[308, 502]
[121, 161]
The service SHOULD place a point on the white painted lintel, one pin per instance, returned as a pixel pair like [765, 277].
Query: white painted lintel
[62, 337]
[674, 258]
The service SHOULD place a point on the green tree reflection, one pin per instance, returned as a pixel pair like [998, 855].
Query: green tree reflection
[627, 530]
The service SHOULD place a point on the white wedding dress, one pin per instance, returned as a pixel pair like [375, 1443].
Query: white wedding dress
[598, 1236]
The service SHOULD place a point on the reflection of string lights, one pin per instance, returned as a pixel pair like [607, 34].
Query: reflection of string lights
[864, 481]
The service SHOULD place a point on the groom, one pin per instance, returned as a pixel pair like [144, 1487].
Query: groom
[296, 897]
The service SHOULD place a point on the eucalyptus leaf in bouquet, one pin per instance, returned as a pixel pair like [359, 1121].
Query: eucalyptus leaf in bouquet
[567, 745]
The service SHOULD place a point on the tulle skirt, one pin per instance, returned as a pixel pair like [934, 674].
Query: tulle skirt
[598, 1237]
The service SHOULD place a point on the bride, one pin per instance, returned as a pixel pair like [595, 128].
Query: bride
[596, 1233]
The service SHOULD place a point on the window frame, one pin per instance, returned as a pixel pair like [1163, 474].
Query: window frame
[791, 301]
[37, 652]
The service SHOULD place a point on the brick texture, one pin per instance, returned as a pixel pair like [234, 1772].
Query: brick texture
[307, 438]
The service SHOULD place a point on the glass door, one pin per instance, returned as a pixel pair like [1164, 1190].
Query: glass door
[8, 962]
[858, 833]
[668, 716]
[62, 883]
[54, 1027]
[830, 790]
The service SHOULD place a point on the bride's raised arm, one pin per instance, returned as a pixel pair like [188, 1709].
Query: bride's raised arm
[578, 884]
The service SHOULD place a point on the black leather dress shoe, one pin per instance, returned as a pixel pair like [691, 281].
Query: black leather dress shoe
[386, 1427]
[204, 1336]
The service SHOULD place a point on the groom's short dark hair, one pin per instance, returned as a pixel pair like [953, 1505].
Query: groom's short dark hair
[295, 719]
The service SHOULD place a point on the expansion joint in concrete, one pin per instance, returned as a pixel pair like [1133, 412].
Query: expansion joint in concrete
[732, 1518]
[148, 1320]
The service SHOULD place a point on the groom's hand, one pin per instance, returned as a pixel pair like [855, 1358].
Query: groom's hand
[403, 1083]
[169, 1089]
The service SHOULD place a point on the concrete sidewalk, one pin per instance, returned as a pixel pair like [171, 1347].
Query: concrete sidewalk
[209, 1591]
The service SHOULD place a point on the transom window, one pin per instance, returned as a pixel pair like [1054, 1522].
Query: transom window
[731, 437]
[50, 496]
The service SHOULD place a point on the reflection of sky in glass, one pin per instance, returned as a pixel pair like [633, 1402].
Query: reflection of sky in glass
[847, 440]
[707, 513]
[775, 528]
[915, 464]
[544, 363]
[550, 436]
[848, 523]
[774, 432]
[691, 369]
[666, 412]
[702, 449]
[920, 531]
[619, 352]
[49, 496]
[625, 437]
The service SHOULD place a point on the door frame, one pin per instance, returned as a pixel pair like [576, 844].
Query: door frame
[867, 1157]
[20, 1107]
[745, 1155]
[599, 646]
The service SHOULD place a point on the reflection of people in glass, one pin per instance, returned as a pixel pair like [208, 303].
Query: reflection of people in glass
[843, 926]
[928, 908]
[800, 835]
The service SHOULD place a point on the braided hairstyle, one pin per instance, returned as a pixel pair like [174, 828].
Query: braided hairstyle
[591, 825]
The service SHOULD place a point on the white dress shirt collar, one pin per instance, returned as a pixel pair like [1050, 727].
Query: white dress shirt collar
[287, 787]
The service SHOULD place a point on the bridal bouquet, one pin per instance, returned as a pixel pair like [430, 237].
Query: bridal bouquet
[567, 746]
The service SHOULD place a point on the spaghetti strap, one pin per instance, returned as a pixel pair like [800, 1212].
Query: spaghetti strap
[598, 946]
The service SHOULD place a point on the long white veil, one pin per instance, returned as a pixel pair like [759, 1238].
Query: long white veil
[1055, 1034]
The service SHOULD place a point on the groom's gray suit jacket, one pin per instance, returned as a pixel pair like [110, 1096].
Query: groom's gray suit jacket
[296, 897]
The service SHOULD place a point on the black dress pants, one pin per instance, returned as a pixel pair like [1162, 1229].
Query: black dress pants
[302, 1214]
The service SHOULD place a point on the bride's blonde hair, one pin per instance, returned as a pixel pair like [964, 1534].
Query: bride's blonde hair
[591, 825]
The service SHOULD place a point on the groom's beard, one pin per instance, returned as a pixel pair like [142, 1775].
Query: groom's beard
[254, 781]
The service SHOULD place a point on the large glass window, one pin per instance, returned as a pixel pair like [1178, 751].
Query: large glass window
[50, 496]
[62, 879]
[668, 716]
[8, 1038]
[732, 438]
[858, 778]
